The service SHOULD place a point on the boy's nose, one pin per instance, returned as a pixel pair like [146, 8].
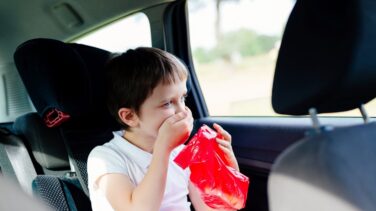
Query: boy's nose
[180, 107]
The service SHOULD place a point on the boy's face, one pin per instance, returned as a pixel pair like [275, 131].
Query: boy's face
[165, 101]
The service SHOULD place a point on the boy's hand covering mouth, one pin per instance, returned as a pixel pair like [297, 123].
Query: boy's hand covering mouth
[175, 130]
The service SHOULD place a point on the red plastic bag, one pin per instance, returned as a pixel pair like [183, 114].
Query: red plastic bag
[221, 186]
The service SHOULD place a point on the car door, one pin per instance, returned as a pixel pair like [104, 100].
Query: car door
[232, 86]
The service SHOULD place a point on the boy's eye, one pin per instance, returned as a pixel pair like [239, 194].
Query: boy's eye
[168, 104]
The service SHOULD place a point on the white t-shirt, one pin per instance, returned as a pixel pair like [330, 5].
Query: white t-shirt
[122, 157]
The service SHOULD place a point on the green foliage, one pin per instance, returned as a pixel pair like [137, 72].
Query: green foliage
[244, 42]
[204, 56]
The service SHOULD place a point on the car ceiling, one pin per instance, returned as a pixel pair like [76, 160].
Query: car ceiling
[21, 20]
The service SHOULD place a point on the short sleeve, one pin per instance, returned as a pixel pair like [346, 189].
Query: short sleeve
[103, 160]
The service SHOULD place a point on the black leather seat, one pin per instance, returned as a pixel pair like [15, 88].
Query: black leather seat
[66, 84]
[327, 63]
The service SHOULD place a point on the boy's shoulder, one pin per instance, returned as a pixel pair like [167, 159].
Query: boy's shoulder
[102, 149]
[107, 149]
[108, 155]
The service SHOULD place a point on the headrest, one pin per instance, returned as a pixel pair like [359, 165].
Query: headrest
[327, 58]
[46, 144]
[63, 79]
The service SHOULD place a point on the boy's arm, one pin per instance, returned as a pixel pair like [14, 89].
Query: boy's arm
[196, 200]
[148, 195]
[123, 195]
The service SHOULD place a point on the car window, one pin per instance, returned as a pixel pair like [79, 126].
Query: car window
[129, 32]
[234, 55]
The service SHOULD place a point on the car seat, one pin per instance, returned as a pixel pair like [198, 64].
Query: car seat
[66, 85]
[56, 182]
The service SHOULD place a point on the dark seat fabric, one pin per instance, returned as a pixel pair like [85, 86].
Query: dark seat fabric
[61, 193]
[55, 184]
[31, 148]
[69, 79]
[46, 144]
[326, 62]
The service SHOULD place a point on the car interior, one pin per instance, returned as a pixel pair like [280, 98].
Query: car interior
[53, 110]
[330, 164]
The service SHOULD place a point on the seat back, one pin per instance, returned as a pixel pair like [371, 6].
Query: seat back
[55, 183]
[326, 63]
[46, 144]
[29, 149]
[66, 84]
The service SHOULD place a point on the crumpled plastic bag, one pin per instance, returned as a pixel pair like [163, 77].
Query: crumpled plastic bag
[220, 186]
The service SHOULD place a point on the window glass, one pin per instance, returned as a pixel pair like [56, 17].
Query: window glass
[130, 32]
[234, 45]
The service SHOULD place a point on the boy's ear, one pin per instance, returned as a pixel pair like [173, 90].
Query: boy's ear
[128, 116]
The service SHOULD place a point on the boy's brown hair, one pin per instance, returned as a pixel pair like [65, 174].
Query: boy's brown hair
[133, 75]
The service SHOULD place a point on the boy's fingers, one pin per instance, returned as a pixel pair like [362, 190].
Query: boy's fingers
[223, 143]
[224, 133]
[227, 151]
[188, 110]
[183, 119]
[177, 117]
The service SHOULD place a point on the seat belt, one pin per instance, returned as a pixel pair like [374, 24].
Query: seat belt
[5, 164]
[20, 160]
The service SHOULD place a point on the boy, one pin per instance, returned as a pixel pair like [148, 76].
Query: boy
[135, 170]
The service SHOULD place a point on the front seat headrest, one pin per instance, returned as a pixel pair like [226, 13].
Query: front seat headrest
[327, 57]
